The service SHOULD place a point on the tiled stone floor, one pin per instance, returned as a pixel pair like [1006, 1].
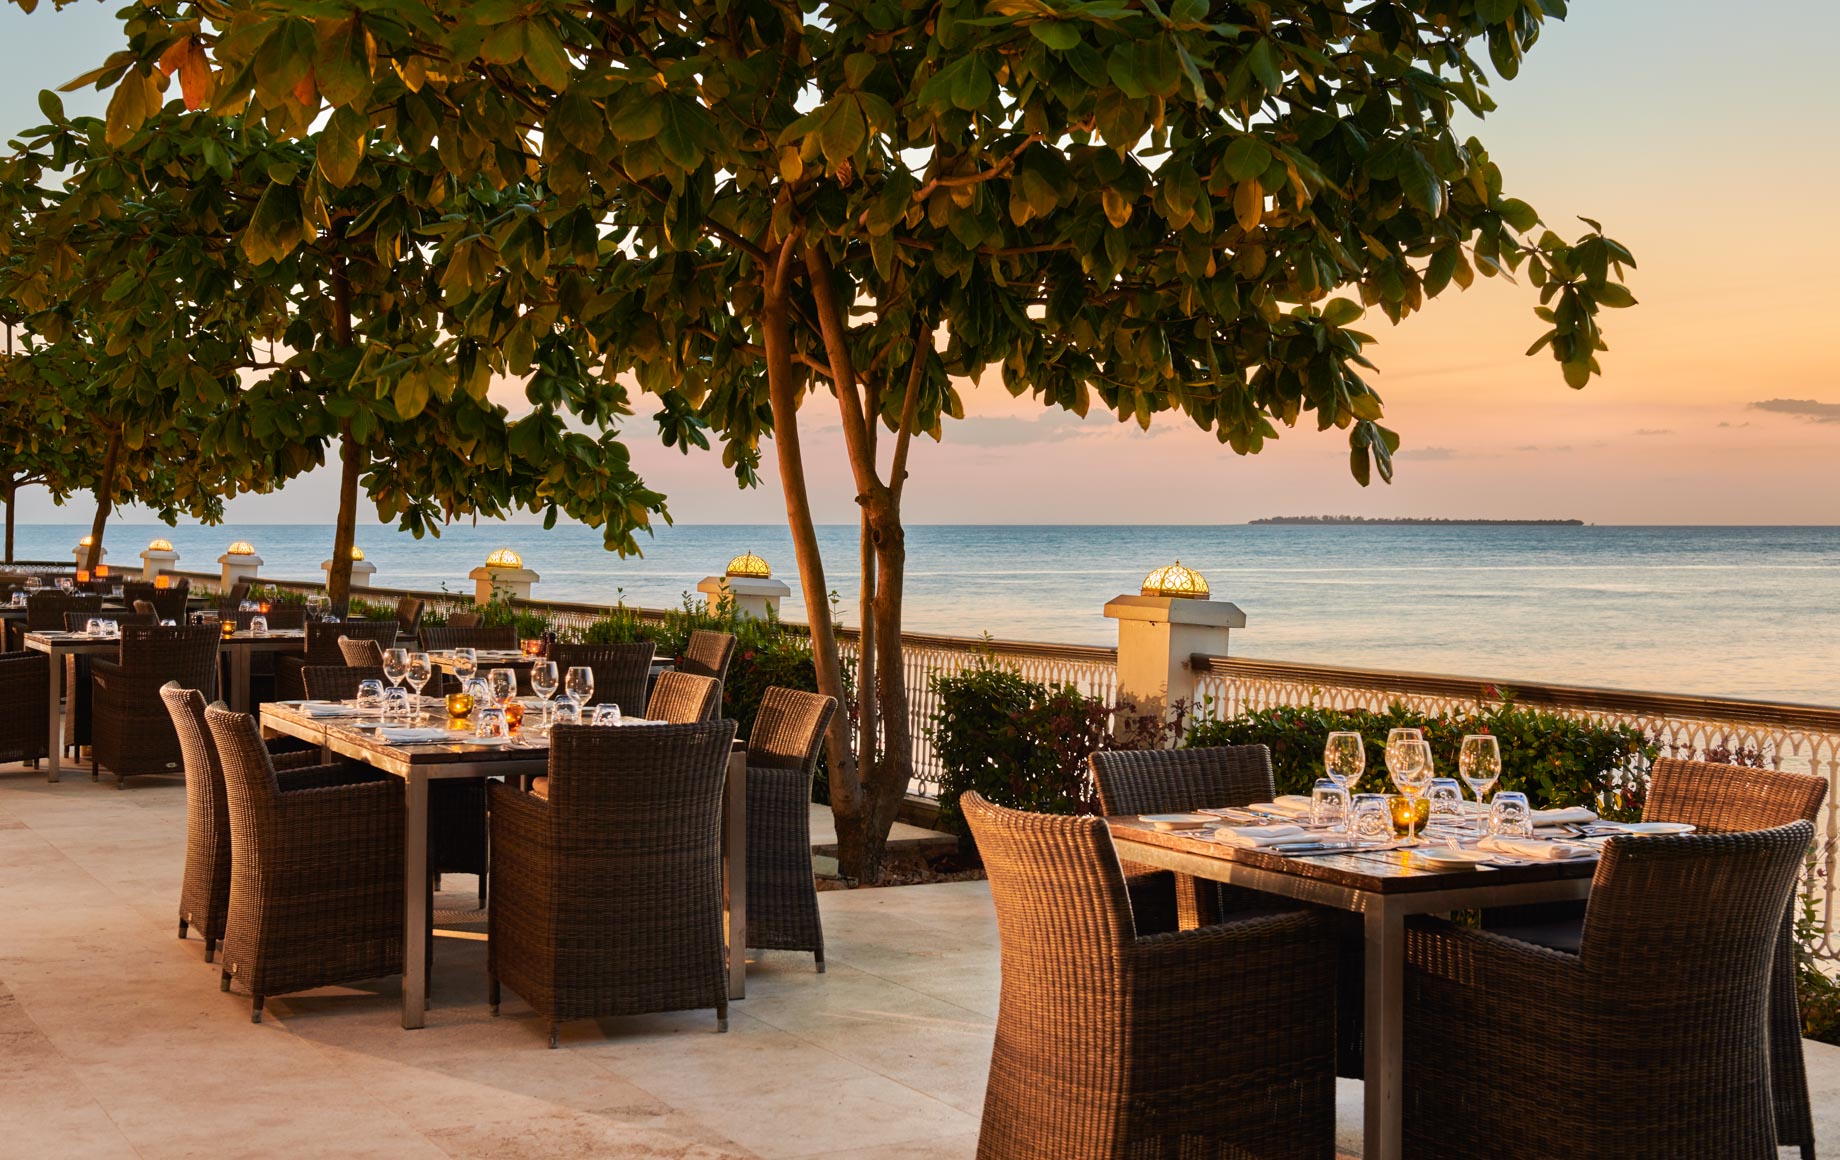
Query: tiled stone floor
[115, 1041]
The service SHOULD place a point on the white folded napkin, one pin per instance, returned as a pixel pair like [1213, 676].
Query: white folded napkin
[1535, 849]
[1570, 816]
[335, 709]
[402, 735]
[1290, 805]
[1252, 837]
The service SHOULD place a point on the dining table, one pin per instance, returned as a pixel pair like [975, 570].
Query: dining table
[58, 645]
[1384, 886]
[417, 764]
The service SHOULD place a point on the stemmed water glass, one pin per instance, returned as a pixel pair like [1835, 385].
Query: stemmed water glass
[395, 666]
[580, 684]
[1479, 764]
[1410, 764]
[466, 663]
[504, 685]
[1344, 758]
[420, 672]
[543, 680]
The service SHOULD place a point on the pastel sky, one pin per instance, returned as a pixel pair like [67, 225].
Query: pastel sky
[1699, 134]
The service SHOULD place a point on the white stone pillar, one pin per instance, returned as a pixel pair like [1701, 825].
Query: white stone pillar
[1157, 634]
[158, 558]
[752, 596]
[504, 575]
[240, 563]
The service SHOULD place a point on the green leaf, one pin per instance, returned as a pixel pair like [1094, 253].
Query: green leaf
[1614, 295]
[639, 114]
[578, 121]
[1341, 312]
[1263, 60]
[1518, 214]
[51, 105]
[1246, 158]
[1055, 34]
[544, 55]
[341, 145]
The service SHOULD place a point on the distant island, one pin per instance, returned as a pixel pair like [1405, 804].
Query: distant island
[1434, 522]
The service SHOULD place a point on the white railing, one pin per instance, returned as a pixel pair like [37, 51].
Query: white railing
[1797, 738]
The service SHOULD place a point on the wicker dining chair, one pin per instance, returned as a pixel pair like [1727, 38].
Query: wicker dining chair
[1215, 1042]
[24, 677]
[456, 807]
[409, 611]
[462, 620]
[316, 874]
[324, 648]
[361, 654]
[232, 600]
[133, 732]
[165, 603]
[78, 689]
[782, 755]
[280, 617]
[204, 898]
[1720, 799]
[607, 895]
[621, 671]
[441, 638]
[1163, 781]
[707, 654]
[1650, 1042]
[678, 698]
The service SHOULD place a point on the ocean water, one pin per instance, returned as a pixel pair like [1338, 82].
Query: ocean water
[1746, 612]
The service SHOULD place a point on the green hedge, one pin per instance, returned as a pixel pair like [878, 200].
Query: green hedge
[1554, 759]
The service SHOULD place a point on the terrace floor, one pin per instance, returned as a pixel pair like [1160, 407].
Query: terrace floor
[115, 1041]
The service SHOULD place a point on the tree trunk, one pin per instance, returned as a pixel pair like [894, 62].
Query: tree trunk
[783, 392]
[345, 532]
[12, 493]
[105, 500]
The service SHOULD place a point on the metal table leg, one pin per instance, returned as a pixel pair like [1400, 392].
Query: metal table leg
[54, 727]
[415, 901]
[239, 679]
[1384, 933]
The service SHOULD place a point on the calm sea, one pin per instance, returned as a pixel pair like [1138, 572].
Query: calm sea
[1752, 612]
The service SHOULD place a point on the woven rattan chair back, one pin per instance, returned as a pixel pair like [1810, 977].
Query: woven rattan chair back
[229, 601]
[621, 671]
[361, 654]
[707, 654]
[323, 639]
[409, 611]
[183, 653]
[1717, 798]
[441, 638]
[46, 610]
[679, 698]
[1158, 781]
[462, 620]
[205, 893]
[789, 728]
[23, 734]
[607, 898]
[280, 617]
[1059, 895]
[337, 682]
[78, 621]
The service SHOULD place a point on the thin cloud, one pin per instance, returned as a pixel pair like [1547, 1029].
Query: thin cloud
[1652, 431]
[1008, 431]
[1810, 409]
[1735, 426]
[1430, 454]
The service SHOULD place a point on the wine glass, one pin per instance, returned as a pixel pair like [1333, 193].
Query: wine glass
[504, 685]
[1344, 758]
[1410, 764]
[1479, 764]
[466, 663]
[580, 683]
[543, 681]
[421, 671]
[395, 666]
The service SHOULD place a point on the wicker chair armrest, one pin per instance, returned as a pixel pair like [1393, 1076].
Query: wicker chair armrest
[1222, 950]
[350, 801]
[1447, 956]
[524, 814]
[317, 776]
[295, 758]
[102, 669]
[520, 842]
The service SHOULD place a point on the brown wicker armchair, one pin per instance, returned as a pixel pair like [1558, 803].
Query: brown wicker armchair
[77, 684]
[1216, 1042]
[133, 732]
[681, 699]
[23, 680]
[204, 899]
[1719, 799]
[167, 603]
[607, 896]
[1650, 1042]
[409, 611]
[361, 654]
[324, 648]
[230, 601]
[462, 620]
[707, 654]
[1162, 781]
[621, 671]
[782, 754]
[316, 893]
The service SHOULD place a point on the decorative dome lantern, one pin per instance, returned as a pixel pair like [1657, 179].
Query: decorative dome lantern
[357, 553]
[749, 566]
[241, 548]
[504, 558]
[160, 545]
[86, 541]
[1175, 580]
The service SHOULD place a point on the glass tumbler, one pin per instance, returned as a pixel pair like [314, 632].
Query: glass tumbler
[1510, 816]
[491, 724]
[1372, 818]
[1446, 796]
[1328, 806]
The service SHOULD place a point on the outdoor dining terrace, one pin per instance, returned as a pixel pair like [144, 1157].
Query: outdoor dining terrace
[1215, 958]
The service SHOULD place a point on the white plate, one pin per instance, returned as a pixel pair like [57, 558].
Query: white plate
[1651, 828]
[1177, 821]
[1444, 858]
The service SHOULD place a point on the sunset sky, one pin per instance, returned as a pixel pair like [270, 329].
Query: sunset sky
[1700, 134]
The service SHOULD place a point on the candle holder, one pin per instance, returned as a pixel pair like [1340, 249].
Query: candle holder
[459, 705]
[1409, 814]
[229, 629]
[532, 647]
[514, 714]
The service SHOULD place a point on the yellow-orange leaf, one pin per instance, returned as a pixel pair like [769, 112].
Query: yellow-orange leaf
[195, 76]
[305, 91]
